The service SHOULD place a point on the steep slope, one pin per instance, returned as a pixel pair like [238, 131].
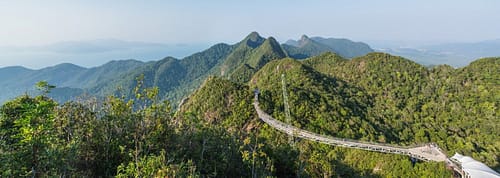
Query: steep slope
[308, 47]
[175, 78]
[319, 102]
[377, 97]
[250, 55]
[242, 50]
[221, 101]
[456, 108]
[391, 81]
[201, 63]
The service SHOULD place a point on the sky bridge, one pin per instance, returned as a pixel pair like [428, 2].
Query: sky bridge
[462, 166]
[426, 152]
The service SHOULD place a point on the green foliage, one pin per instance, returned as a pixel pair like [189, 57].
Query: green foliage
[28, 144]
[154, 166]
[378, 98]
[44, 87]
[318, 103]
[223, 102]
[176, 78]
[456, 108]
[249, 56]
[216, 132]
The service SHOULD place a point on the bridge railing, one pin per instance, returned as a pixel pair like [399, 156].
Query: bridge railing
[295, 131]
[284, 125]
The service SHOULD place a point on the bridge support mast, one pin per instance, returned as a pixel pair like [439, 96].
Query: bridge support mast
[288, 118]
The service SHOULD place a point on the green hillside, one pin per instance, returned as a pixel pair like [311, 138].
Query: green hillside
[377, 98]
[456, 108]
[249, 56]
[216, 132]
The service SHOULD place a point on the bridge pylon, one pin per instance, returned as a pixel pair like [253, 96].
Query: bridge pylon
[288, 118]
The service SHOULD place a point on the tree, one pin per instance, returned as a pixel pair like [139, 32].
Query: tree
[44, 87]
[29, 144]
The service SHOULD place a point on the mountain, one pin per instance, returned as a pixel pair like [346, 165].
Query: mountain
[216, 131]
[175, 78]
[345, 47]
[377, 98]
[97, 75]
[250, 55]
[307, 47]
[73, 78]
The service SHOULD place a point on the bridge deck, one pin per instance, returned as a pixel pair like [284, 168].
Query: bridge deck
[428, 152]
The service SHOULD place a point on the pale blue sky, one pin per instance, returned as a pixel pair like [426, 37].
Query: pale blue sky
[44, 22]
[25, 22]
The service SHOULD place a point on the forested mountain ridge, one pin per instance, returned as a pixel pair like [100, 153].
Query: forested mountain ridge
[216, 132]
[308, 47]
[249, 55]
[108, 78]
[70, 76]
[175, 77]
[378, 98]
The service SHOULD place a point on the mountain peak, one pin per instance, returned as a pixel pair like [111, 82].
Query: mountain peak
[253, 36]
[254, 39]
[304, 37]
[276, 47]
[303, 40]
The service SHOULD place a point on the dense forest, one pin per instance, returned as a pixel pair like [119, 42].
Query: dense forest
[216, 132]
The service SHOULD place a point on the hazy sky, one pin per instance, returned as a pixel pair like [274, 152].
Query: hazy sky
[34, 22]
[25, 22]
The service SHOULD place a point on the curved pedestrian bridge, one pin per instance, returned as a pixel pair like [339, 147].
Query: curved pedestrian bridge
[427, 152]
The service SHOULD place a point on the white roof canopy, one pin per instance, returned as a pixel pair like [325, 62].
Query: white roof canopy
[474, 168]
